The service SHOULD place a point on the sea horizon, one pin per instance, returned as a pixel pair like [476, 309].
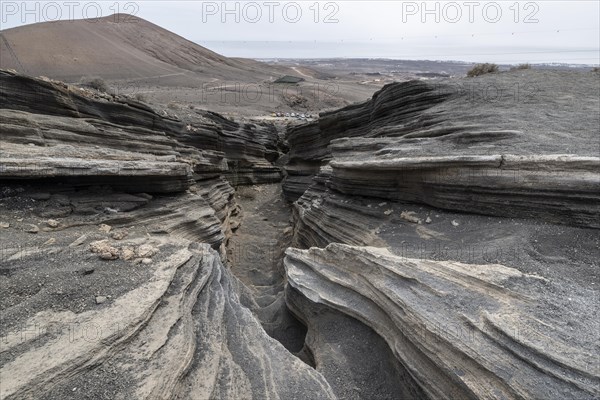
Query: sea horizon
[274, 50]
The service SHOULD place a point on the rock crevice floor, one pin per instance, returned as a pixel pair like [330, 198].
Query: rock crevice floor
[255, 254]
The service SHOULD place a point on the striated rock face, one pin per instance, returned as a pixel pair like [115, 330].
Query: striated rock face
[395, 104]
[461, 331]
[250, 149]
[179, 332]
[461, 232]
[452, 248]
[51, 130]
[115, 222]
[118, 296]
[388, 113]
[457, 150]
[556, 188]
[323, 216]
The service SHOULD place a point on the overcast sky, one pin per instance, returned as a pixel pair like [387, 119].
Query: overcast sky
[561, 31]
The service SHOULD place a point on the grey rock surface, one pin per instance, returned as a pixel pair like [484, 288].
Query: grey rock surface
[152, 315]
[450, 146]
[462, 331]
[462, 231]
[126, 293]
[55, 131]
[443, 246]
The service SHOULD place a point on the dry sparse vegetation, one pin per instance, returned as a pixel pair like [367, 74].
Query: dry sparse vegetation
[520, 67]
[95, 82]
[482, 69]
[295, 100]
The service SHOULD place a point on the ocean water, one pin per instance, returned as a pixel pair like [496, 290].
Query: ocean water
[402, 51]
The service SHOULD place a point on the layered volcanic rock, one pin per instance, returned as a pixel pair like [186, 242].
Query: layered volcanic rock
[251, 149]
[51, 130]
[452, 246]
[111, 295]
[162, 320]
[395, 105]
[461, 230]
[452, 147]
[461, 331]
[557, 188]
[114, 223]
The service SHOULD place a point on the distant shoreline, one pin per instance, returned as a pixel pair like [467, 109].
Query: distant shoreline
[311, 50]
[457, 62]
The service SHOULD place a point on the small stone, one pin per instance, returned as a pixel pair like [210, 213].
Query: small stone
[382, 204]
[79, 241]
[4, 225]
[40, 196]
[287, 230]
[146, 251]
[33, 228]
[146, 261]
[119, 235]
[410, 216]
[52, 223]
[49, 242]
[104, 228]
[455, 222]
[145, 196]
[388, 212]
[109, 254]
[127, 253]
[104, 250]
[428, 220]
[101, 299]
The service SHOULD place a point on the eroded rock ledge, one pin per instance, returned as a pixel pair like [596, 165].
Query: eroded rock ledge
[556, 188]
[114, 223]
[52, 130]
[462, 231]
[113, 296]
[116, 295]
[179, 333]
[448, 146]
[462, 331]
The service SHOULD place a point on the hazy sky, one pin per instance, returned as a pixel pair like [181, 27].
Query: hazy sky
[561, 31]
